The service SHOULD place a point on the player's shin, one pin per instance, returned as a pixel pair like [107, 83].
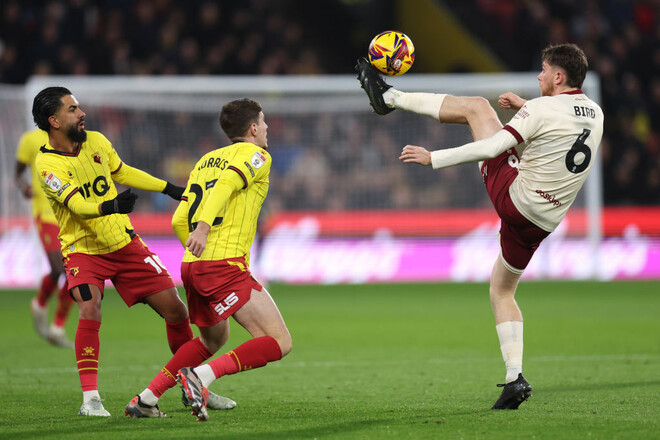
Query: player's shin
[191, 353]
[510, 334]
[251, 354]
[426, 104]
[64, 304]
[48, 285]
[178, 333]
[87, 353]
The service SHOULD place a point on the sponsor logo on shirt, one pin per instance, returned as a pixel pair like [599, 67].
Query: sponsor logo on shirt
[53, 182]
[522, 113]
[258, 160]
[66, 185]
[249, 168]
[550, 198]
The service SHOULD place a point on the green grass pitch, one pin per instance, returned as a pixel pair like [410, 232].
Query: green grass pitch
[369, 362]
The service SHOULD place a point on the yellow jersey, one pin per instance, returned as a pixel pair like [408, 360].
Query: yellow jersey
[28, 147]
[234, 227]
[84, 179]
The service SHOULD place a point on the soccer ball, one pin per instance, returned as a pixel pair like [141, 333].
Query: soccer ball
[392, 53]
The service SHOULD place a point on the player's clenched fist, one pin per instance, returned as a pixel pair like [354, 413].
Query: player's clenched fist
[196, 242]
[415, 154]
[511, 101]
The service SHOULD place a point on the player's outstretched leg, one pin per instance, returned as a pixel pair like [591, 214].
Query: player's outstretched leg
[137, 409]
[198, 394]
[513, 394]
[374, 85]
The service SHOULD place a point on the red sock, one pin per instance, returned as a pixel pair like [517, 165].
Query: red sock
[48, 285]
[64, 304]
[191, 354]
[254, 353]
[87, 353]
[178, 333]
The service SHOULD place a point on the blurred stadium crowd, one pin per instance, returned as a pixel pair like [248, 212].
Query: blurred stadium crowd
[158, 37]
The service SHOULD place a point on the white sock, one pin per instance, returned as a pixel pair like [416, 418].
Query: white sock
[205, 374]
[511, 344]
[427, 104]
[148, 397]
[88, 395]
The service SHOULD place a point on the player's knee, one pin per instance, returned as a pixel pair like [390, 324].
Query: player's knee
[481, 107]
[285, 343]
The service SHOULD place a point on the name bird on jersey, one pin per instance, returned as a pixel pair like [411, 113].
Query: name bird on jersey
[225, 240]
[87, 175]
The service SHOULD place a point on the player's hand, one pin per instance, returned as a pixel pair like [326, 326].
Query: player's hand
[26, 190]
[122, 204]
[511, 101]
[176, 192]
[196, 242]
[414, 154]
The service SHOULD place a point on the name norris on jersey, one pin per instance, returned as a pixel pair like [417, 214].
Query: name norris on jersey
[585, 111]
[217, 162]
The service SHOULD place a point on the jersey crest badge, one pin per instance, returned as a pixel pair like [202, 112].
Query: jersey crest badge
[53, 182]
[96, 157]
[74, 271]
[258, 160]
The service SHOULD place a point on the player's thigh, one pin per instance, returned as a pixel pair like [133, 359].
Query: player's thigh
[261, 317]
[168, 304]
[215, 336]
[88, 297]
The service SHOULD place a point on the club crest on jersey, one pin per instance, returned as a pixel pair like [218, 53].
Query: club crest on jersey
[97, 157]
[258, 160]
[74, 271]
[53, 182]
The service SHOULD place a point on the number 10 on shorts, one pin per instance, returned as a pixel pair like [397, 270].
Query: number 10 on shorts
[156, 263]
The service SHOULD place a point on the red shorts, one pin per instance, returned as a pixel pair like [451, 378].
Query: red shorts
[48, 233]
[216, 289]
[519, 238]
[135, 272]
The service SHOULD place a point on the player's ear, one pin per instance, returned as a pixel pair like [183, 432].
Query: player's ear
[53, 121]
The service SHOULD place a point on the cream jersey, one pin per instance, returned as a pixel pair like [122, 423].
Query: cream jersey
[84, 179]
[243, 168]
[558, 137]
[28, 148]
